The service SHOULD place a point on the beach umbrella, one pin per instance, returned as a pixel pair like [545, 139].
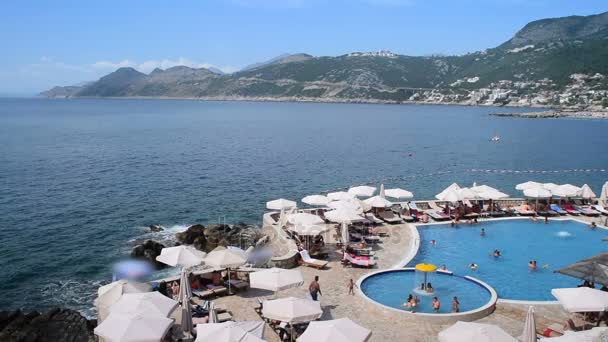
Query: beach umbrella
[452, 187]
[529, 333]
[378, 202]
[566, 190]
[528, 185]
[292, 310]
[148, 303]
[316, 200]
[186, 323]
[537, 193]
[276, 279]
[362, 191]
[382, 193]
[336, 330]
[340, 195]
[229, 332]
[221, 257]
[119, 327]
[582, 299]
[212, 313]
[604, 193]
[109, 294]
[467, 193]
[492, 195]
[482, 188]
[184, 286]
[345, 235]
[280, 204]
[550, 186]
[351, 205]
[450, 195]
[586, 192]
[596, 334]
[310, 229]
[304, 219]
[594, 270]
[474, 332]
[398, 193]
[343, 215]
[184, 256]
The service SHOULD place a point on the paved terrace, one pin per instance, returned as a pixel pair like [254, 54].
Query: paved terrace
[386, 325]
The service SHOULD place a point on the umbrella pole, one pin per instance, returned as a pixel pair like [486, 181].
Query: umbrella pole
[229, 291]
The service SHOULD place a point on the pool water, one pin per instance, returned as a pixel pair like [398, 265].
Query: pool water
[392, 289]
[554, 245]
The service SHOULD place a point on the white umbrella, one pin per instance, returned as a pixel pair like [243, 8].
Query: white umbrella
[566, 190]
[529, 333]
[528, 185]
[342, 215]
[280, 204]
[398, 193]
[452, 187]
[340, 195]
[549, 186]
[474, 332]
[604, 193]
[149, 303]
[109, 294]
[345, 235]
[450, 195]
[466, 193]
[593, 269]
[337, 330]
[133, 328]
[316, 200]
[184, 286]
[292, 310]
[492, 195]
[184, 256]
[378, 202]
[347, 205]
[382, 193]
[225, 258]
[537, 193]
[310, 229]
[482, 188]
[212, 313]
[225, 332]
[186, 324]
[276, 279]
[586, 192]
[582, 299]
[363, 191]
[304, 219]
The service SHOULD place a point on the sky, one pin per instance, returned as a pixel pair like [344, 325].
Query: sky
[48, 43]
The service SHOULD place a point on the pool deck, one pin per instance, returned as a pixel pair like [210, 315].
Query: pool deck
[385, 324]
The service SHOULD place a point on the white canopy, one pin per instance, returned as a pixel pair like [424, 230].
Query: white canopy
[280, 204]
[604, 193]
[276, 279]
[528, 185]
[225, 258]
[398, 193]
[482, 188]
[492, 195]
[304, 219]
[310, 229]
[363, 191]
[467, 193]
[133, 328]
[342, 215]
[148, 303]
[185, 291]
[529, 332]
[452, 187]
[451, 195]
[316, 200]
[378, 202]
[109, 294]
[474, 332]
[245, 331]
[340, 195]
[549, 186]
[292, 310]
[537, 192]
[337, 330]
[586, 192]
[566, 190]
[582, 299]
[184, 256]
[352, 205]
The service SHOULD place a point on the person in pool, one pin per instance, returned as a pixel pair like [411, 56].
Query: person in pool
[473, 267]
[496, 253]
[534, 218]
[436, 304]
[532, 265]
[429, 288]
[482, 232]
[546, 219]
[455, 305]
[443, 268]
[433, 242]
[409, 301]
[593, 225]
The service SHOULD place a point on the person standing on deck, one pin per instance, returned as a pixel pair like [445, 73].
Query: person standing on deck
[315, 289]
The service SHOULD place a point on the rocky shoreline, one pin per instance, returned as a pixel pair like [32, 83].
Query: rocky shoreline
[556, 115]
[51, 326]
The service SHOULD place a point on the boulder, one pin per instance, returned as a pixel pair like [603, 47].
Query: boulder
[188, 236]
[155, 228]
[148, 251]
[208, 238]
[54, 325]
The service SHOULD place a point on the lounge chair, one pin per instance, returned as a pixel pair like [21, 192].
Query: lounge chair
[371, 217]
[238, 284]
[224, 317]
[600, 209]
[547, 213]
[380, 231]
[361, 261]
[438, 215]
[308, 261]
[218, 290]
[587, 211]
[570, 209]
[389, 217]
[558, 209]
[206, 293]
[525, 210]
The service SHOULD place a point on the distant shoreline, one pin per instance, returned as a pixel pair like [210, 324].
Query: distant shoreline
[557, 114]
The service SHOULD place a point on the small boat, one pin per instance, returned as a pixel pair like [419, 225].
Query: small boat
[495, 138]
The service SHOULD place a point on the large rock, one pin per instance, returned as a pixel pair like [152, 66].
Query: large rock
[187, 237]
[212, 236]
[148, 251]
[54, 325]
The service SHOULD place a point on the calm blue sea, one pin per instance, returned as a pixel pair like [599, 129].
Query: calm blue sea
[79, 179]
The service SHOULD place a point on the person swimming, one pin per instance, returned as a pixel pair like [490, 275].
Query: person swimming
[482, 232]
[429, 288]
[409, 302]
[496, 253]
[532, 265]
[593, 225]
[433, 242]
[443, 268]
[436, 304]
[473, 267]
[534, 218]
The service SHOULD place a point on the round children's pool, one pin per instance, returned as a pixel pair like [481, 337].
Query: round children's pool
[554, 245]
[392, 288]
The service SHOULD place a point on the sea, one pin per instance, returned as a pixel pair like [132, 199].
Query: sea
[81, 179]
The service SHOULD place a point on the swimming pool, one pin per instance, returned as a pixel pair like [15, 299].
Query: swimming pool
[391, 288]
[553, 245]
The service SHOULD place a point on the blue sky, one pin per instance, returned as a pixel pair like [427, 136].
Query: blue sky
[48, 43]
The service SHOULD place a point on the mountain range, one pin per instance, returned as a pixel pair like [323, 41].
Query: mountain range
[557, 61]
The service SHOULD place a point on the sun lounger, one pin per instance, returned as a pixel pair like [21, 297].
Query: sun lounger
[525, 210]
[218, 290]
[308, 261]
[203, 293]
[373, 218]
[600, 209]
[558, 209]
[438, 215]
[380, 231]
[238, 284]
[367, 238]
[361, 261]
[586, 211]
[547, 213]
[389, 217]
[224, 317]
[570, 210]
